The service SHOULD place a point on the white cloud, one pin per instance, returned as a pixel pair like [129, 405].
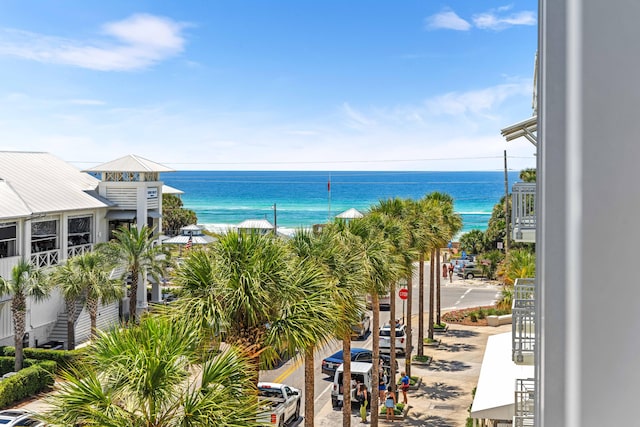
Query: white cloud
[493, 21]
[86, 102]
[479, 102]
[135, 43]
[448, 20]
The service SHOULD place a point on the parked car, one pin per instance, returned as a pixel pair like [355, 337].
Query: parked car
[363, 327]
[458, 264]
[14, 417]
[279, 403]
[470, 271]
[361, 372]
[384, 301]
[385, 338]
[331, 363]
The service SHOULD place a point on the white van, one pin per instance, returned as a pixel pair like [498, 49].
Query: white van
[361, 372]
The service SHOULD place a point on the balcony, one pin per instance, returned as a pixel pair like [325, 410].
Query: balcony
[523, 318]
[79, 250]
[525, 403]
[45, 258]
[523, 212]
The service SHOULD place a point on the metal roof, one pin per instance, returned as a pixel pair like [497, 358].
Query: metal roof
[255, 224]
[167, 189]
[202, 239]
[41, 183]
[130, 163]
[11, 204]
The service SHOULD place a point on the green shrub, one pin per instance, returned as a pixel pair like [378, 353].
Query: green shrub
[481, 314]
[65, 359]
[396, 411]
[28, 382]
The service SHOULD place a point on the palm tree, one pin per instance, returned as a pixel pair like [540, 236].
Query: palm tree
[383, 267]
[250, 290]
[96, 283]
[451, 223]
[26, 281]
[155, 374]
[67, 277]
[396, 230]
[135, 250]
[342, 256]
[321, 250]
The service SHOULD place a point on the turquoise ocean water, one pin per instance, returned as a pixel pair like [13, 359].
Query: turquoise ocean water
[222, 198]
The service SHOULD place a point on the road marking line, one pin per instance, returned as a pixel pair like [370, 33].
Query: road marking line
[289, 371]
[463, 295]
[323, 392]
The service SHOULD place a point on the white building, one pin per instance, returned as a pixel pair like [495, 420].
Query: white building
[50, 211]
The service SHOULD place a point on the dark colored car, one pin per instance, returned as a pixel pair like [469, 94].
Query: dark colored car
[471, 270]
[331, 363]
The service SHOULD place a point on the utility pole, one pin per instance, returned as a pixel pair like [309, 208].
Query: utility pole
[506, 205]
[275, 221]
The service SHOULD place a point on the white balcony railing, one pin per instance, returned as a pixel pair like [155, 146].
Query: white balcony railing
[79, 250]
[523, 211]
[525, 403]
[523, 318]
[46, 258]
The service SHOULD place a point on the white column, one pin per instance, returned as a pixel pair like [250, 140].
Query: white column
[588, 213]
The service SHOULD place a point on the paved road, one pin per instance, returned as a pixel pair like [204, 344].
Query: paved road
[459, 294]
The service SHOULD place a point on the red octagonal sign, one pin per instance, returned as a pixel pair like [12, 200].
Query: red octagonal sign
[403, 293]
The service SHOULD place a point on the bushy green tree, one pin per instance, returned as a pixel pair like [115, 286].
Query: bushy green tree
[472, 242]
[174, 216]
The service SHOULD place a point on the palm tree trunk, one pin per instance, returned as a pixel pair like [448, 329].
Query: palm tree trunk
[375, 302]
[438, 289]
[309, 380]
[392, 323]
[409, 347]
[431, 291]
[133, 296]
[71, 329]
[19, 320]
[346, 381]
[92, 305]
[421, 306]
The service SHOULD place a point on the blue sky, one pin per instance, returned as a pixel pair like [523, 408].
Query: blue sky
[269, 85]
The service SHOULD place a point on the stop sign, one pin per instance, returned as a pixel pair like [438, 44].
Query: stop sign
[403, 293]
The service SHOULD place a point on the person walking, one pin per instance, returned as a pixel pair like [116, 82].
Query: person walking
[404, 386]
[390, 404]
[450, 272]
[363, 398]
[444, 270]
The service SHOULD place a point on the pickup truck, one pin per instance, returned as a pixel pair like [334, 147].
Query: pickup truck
[279, 403]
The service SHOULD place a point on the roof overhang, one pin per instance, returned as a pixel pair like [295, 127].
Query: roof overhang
[121, 215]
[495, 393]
[527, 128]
[154, 214]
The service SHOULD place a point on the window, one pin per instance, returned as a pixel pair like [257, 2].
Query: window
[80, 230]
[44, 236]
[8, 233]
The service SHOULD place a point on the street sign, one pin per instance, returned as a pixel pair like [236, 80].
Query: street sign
[403, 293]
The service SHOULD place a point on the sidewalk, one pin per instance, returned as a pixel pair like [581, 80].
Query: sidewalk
[444, 397]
